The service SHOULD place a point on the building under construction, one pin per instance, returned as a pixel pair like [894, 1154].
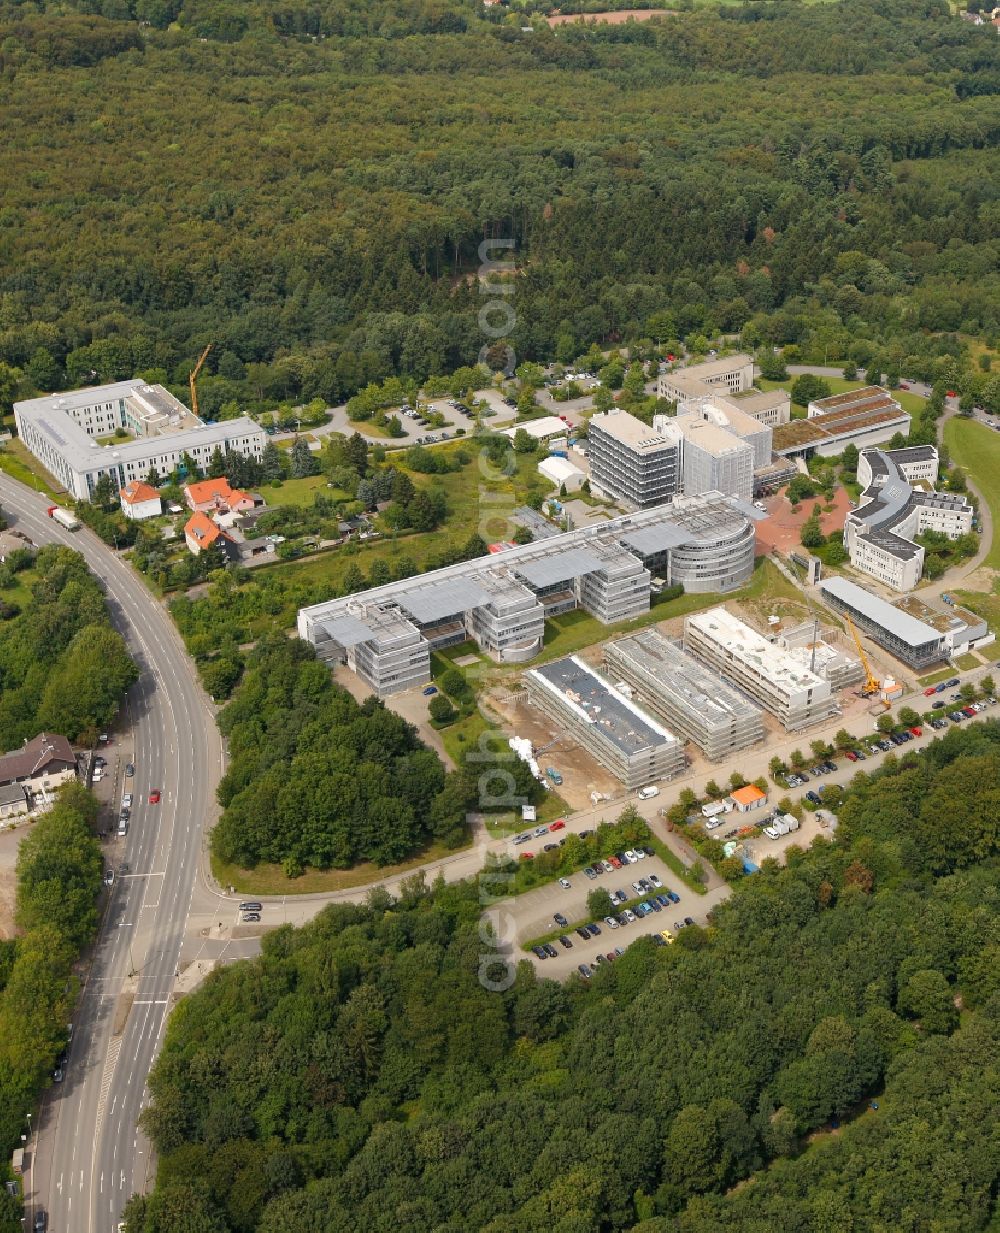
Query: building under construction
[622, 737]
[691, 698]
[806, 643]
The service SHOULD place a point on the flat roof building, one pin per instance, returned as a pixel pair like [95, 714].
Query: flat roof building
[63, 433]
[691, 699]
[502, 600]
[715, 460]
[962, 628]
[896, 506]
[731, 374]
[769, 674]
[910, 640]
[631, 461]
[842, 420]
[629, 743]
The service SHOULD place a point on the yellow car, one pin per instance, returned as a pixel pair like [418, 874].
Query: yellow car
[667, 936]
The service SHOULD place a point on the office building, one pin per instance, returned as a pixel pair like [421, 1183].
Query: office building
[732, 374]
[626, 741]
[842, 420]
[772, 676]
[692, 700]
[896, 506]
[963, 629]
[632, 463]
[64, 432]
[912, 641]
[715, 460]
[502, 601]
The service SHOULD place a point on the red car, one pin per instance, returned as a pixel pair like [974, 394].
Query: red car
[527, 856]
[558, 825]
[154, 797]
[904, 385]
[615, 861]
[850, 755]
[915, 731]
[952, 394]
[931, 689]
[967, 710]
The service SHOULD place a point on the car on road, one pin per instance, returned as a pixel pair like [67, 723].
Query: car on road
[565, 942]
[251, 906]
[154, 796]
[565, 883]
[558, 825]
[127, 800]
[250, 918]
[560, 919]
[40, 1221]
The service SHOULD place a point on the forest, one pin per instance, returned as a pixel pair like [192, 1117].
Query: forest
[359, 1076]
[315, 778]
[63, 668]
[306, 185]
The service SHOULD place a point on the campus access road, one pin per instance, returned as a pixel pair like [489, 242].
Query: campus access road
[86, 1157]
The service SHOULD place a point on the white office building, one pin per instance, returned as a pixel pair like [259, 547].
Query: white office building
[730, 375]
[896, 506]
[632, 462]
[715, 460]
[772, 676]
[63, 431]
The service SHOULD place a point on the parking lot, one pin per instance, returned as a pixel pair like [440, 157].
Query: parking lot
[531, 915]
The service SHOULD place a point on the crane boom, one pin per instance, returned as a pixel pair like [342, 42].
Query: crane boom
[193, 377]
[871, 685]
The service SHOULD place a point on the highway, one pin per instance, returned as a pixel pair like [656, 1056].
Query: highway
[87, 1157]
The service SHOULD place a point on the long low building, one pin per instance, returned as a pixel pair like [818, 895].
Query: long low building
[689, 697]
[910, 640]
[64, 432]
[865, 417]
[501, 601]
[772, 676]
[626, 741]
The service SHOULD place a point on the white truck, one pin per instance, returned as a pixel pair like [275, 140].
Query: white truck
[64, 518]
[714, 808]
[647, 794]
[784, 824]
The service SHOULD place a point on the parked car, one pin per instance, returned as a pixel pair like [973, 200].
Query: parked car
[550, 847]
[583, 933]
[550, 950]
[931, 689]
[611, 922]
[527, 856]
[431, 689]
[652, 903]
[565, 942]
[594, 930]
[814, 798]
[673, 896]
[540, 831]
[584, 971]
[590, 872]
[915, 731]
[539, 952]
[654, 880]
[558, 825]
[129, 770]
[850, 755]
[667, 936]
[565, 883]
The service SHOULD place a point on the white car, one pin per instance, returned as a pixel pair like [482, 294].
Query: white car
[127, 800]
[565, 883]
[632, 857]
[611, 922]
[629, 915]
[712, 824]
[638, 888]
[655, 880]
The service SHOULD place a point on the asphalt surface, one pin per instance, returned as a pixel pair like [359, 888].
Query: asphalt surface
[87, 1157]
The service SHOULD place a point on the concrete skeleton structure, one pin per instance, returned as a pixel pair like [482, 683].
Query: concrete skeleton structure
[501, 601]
[62, 432]
[879, 535]
[689, 697]
[772, 676]
[806, 644]
[910, 640]
[630, 744]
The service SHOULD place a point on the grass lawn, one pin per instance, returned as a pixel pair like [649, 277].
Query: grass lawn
[299, 491]
[968, 661]
[976, 449]
[271, 880]
[576, 630]
[20, 465]
[935, 678]
[991, 652]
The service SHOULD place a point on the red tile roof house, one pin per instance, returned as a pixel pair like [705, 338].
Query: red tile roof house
[216, 494]
[140, 501]
[200, 532]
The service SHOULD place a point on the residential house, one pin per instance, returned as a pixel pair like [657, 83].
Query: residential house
[140, 500]
[201, 532]
[38, 768]
[13, 802]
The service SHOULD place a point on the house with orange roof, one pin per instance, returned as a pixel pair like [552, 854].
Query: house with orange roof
[140, 500]
[216, 496]
[200, 532]
[748, 798]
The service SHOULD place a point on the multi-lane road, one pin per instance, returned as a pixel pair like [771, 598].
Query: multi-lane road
[87, 1157]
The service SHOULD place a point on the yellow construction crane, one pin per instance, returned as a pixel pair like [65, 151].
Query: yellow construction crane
[871, 685]
[193, 377]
